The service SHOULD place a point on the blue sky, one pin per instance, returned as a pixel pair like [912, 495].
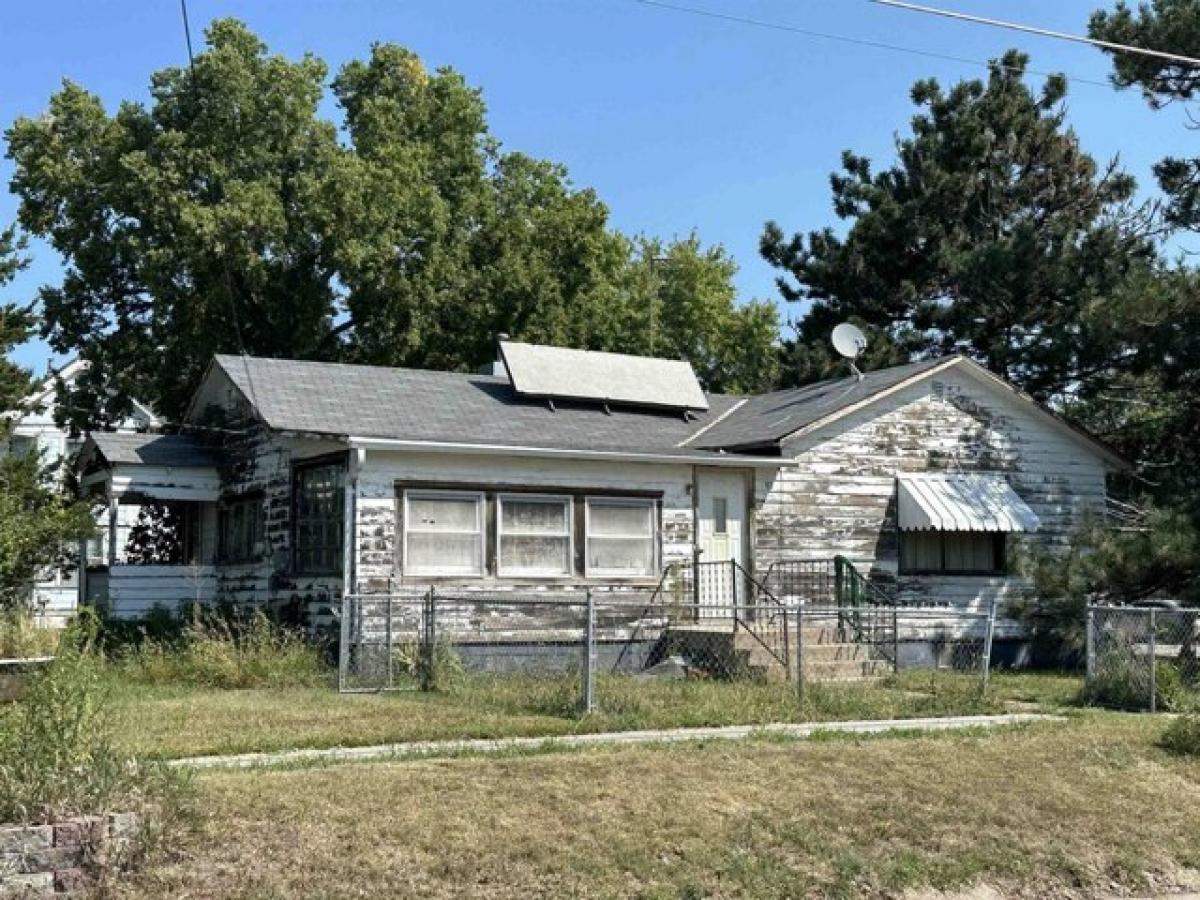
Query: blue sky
[680, 122]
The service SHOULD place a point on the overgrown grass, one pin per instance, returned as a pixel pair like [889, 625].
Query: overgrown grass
[57, 753]
[1088, 807]
[1182, 736]
[22, 638]
[174, 720]
[222, 652]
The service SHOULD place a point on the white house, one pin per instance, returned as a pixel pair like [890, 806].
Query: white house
[54, 596]
[573, 468]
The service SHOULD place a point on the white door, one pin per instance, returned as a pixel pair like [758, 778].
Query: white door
[721, 537]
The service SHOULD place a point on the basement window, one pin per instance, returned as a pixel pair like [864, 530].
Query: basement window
[443, 533]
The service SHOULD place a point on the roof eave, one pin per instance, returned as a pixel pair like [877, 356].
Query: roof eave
[716, 459]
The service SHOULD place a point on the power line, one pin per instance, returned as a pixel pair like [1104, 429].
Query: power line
[846, 39]
[1042, 32]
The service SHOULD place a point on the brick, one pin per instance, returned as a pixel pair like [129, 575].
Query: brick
[85, 831]
[36, 884]
[26, 840]
[68, 881]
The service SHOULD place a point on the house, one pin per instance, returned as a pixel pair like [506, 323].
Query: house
[298, 480]
[54, 596]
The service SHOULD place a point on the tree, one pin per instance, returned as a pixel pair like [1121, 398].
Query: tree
[992, 234]
[226, 216]
[1172, 25]
[38, 524]
[686, 308]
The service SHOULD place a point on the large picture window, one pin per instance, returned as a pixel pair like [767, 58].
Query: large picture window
[621, 537]
[443, 533]
[534, 535]
[952, 552]
[320, 519]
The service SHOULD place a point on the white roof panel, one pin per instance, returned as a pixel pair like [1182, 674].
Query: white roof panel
[556, 372]
[961, 503]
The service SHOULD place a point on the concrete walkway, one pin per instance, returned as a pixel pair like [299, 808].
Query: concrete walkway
[426, 749]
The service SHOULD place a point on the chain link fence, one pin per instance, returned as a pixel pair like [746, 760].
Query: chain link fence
[1143, 658]
[653, 655]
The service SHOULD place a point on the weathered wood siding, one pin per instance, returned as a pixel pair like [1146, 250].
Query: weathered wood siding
[259, 467]
[378, 512]
[839, 495]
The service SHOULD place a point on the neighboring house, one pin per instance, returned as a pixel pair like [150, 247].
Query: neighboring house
[55, 595]
[301, 479]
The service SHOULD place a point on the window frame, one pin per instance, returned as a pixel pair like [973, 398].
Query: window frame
[652, 507]
[999, 554]
[567, 501]
[480, 498]
[255, 535]
[299, 470]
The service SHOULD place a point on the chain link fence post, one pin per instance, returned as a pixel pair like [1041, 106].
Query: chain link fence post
[1153, 663]
[987, 646]
[589, 655]
[427, 651]
[1090, 652]
[800, 655]
[344, 643]
[391, 675]
[895, 640]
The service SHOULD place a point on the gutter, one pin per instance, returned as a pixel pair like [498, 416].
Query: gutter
[717, 459]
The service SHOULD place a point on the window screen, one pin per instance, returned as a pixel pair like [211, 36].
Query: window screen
[950, 552]
[621, 537]
[443, 533]
[534, 535]
[320, 513]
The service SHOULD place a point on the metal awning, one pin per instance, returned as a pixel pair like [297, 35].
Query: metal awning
[961, 503]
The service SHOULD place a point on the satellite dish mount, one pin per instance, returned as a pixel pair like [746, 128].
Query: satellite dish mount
[849, 341]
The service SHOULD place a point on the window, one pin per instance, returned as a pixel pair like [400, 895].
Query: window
[443, 533]
[952, 552]
[621, 537]
[239, 530]
[720, 515]
[320, 514]
[534, 535]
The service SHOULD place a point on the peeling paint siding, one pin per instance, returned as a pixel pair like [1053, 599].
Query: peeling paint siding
[378, 525]
[839, 496]
[261, 464]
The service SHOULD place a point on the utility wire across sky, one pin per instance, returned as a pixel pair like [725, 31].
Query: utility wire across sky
[847, 39]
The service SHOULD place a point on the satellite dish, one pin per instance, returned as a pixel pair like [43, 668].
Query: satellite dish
[849, 340]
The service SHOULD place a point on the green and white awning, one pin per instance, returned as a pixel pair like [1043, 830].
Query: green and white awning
[961, 503]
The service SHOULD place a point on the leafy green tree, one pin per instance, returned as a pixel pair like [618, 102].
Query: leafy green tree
[686, 308]
[226, 215]
[38, 524]
[992, 234]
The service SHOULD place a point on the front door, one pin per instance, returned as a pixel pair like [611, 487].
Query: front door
[721, 537]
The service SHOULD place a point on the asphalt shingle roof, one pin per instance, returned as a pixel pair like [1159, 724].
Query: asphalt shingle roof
[420, 405]
[176, 450]
[767, 418]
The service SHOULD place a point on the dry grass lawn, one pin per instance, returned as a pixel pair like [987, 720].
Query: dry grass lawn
[174, 721]
[1071, 809]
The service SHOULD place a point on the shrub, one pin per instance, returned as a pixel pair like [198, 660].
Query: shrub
[21, 637]
[222, 652]
[1183, 735]
[1122, 681]
[56, 752]
[437, 671]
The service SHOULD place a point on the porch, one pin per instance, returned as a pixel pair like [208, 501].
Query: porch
[156, 546]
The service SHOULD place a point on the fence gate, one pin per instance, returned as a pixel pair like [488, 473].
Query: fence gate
[1143, 658]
